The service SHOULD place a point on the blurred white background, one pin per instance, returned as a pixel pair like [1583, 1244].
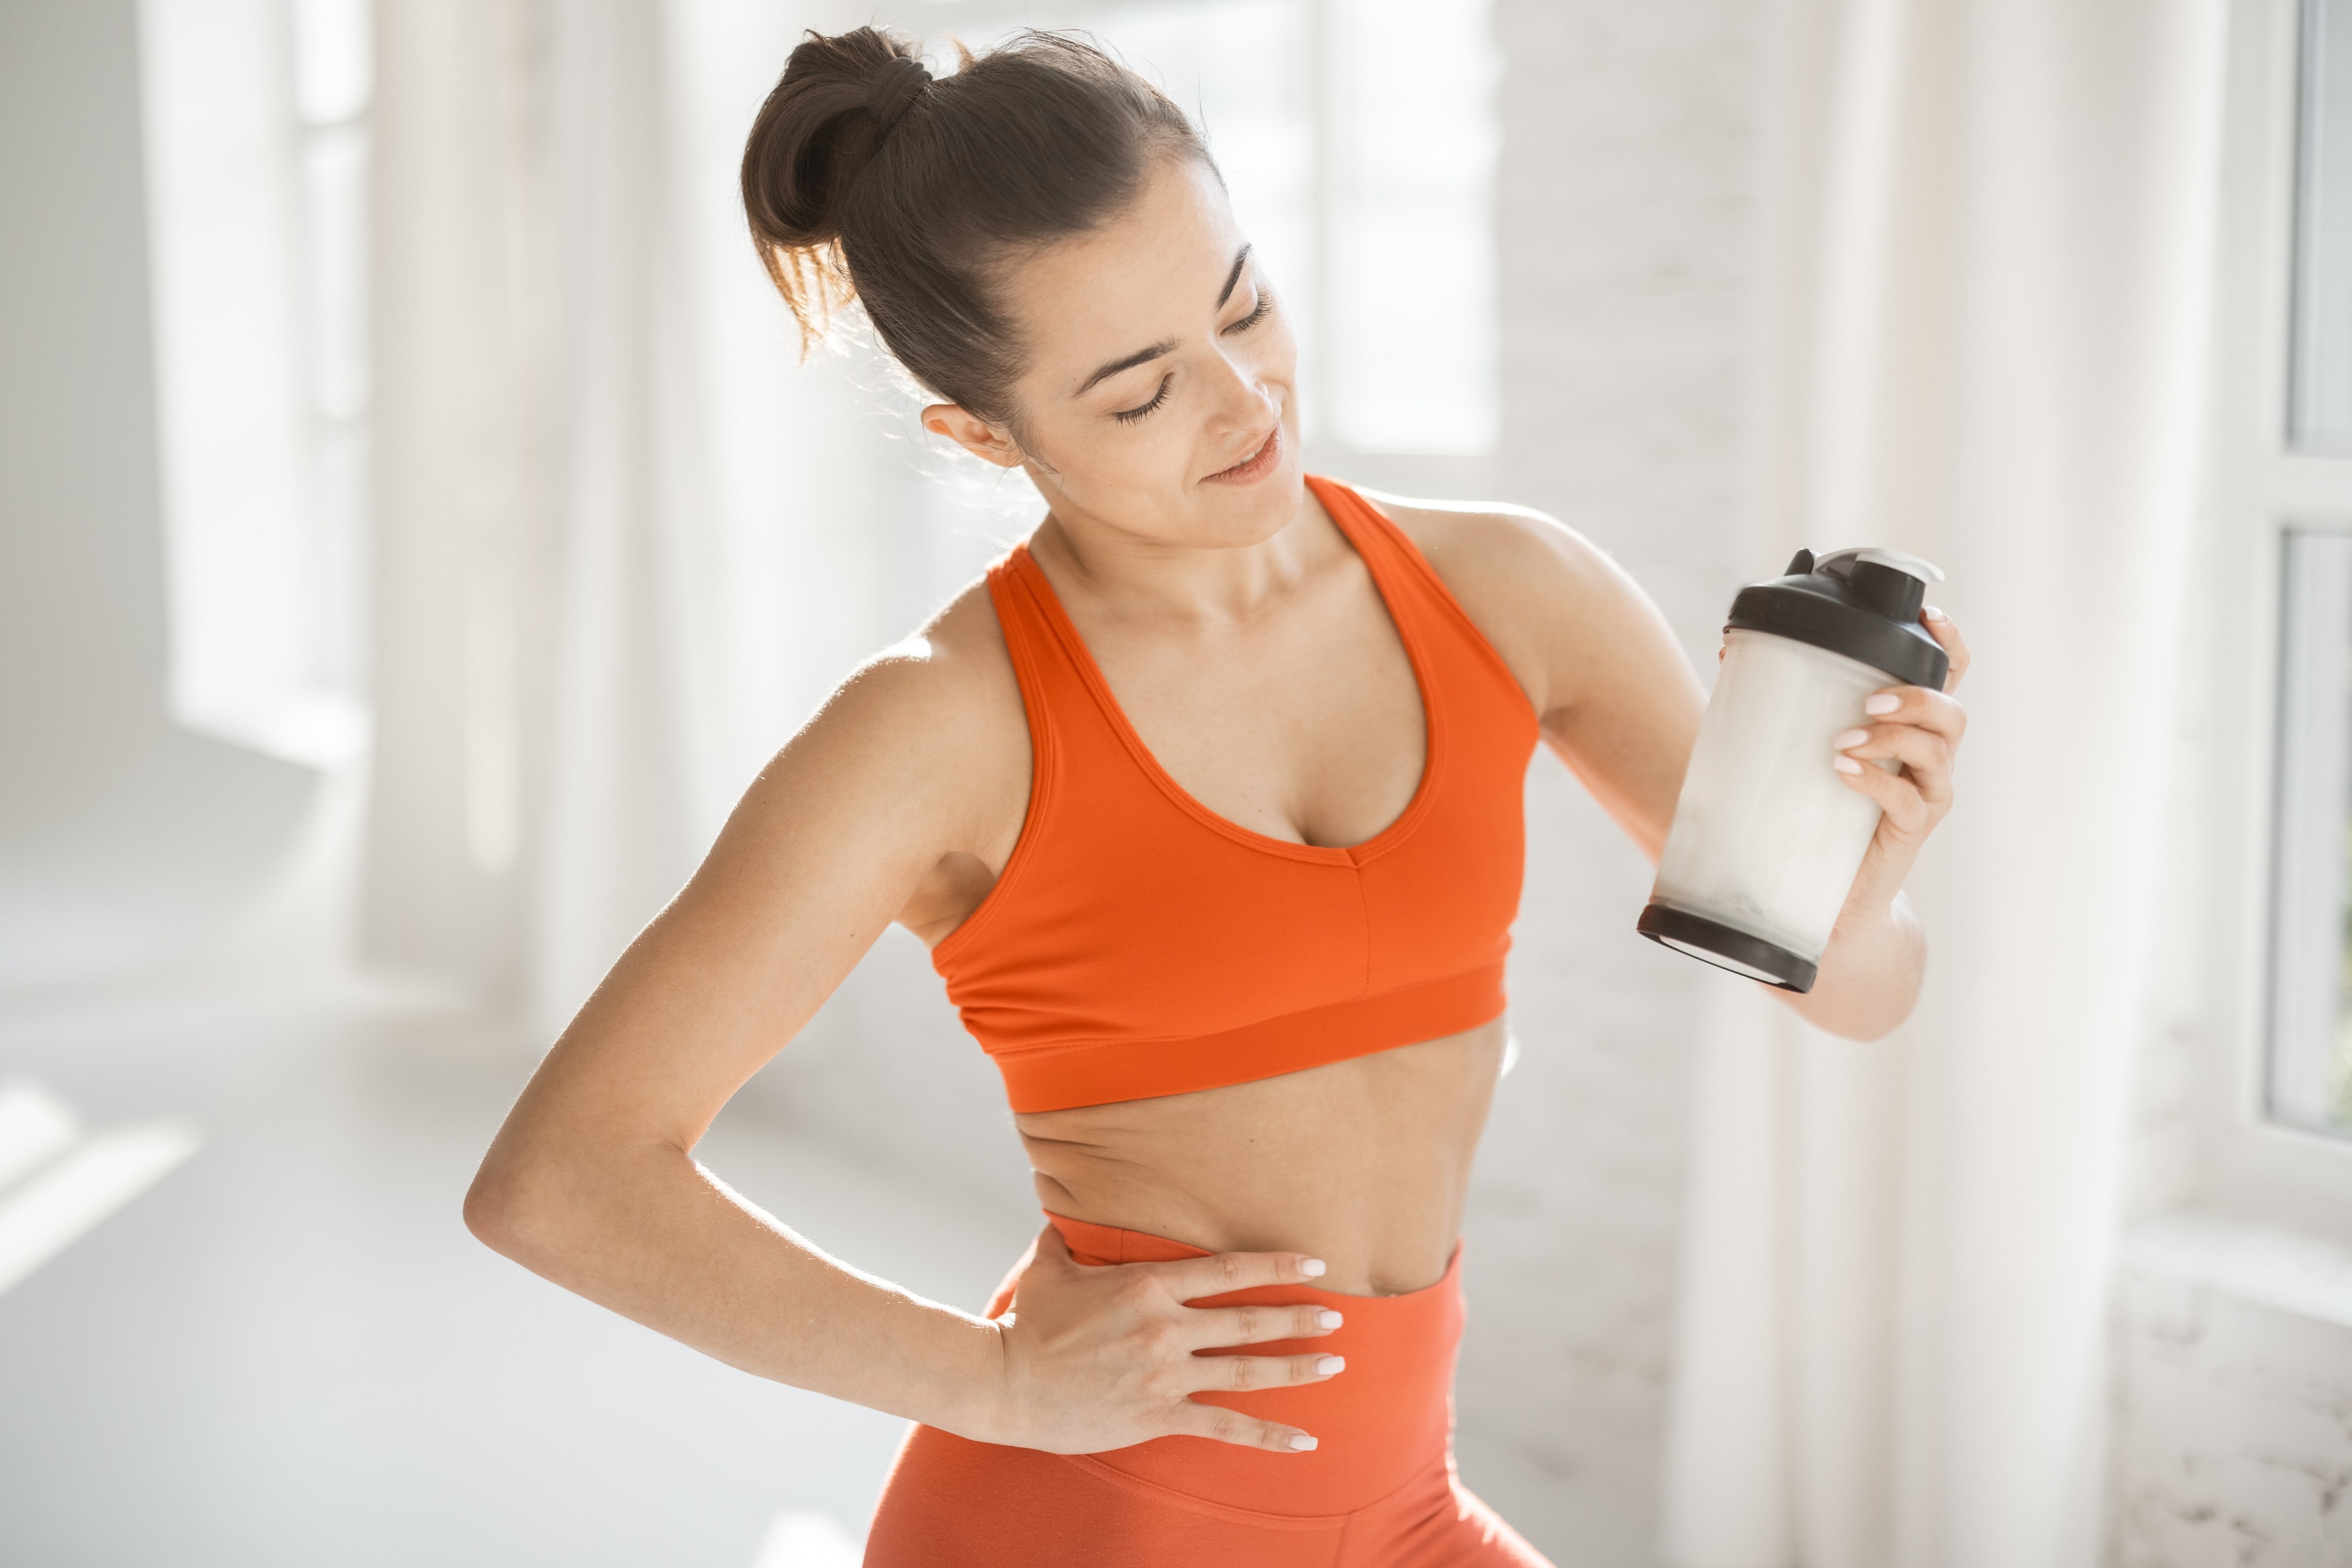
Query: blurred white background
[416, 528]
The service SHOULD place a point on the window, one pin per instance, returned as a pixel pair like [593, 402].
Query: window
[257, 166]
[2311, 942]
[2320, 404]
[1408, 227]
[2309, 497]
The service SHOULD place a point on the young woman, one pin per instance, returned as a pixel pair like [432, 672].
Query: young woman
[1208, 803]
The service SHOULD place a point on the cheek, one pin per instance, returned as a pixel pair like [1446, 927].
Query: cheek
[1161, 459]
[1269, 355]
[1105, 465]
[1281, 360]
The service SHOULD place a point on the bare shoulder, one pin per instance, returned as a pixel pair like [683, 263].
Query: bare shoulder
[928, 735]
[952, 676]
[1533, 585]
[1473, 542]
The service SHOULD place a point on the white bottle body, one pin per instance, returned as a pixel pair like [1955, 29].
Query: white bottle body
[1767, 835]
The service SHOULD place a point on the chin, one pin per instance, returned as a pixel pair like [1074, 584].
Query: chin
[1240, 518]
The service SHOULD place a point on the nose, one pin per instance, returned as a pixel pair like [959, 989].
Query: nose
[1240, 398]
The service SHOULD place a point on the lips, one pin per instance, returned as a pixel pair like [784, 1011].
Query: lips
[1257, 464]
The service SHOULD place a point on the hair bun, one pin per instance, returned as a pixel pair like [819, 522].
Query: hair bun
[1043, 137]
[895, 88]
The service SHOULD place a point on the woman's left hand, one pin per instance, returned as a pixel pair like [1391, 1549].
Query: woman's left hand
[1919, 729]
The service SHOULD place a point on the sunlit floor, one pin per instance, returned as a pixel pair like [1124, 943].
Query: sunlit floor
[286, 1349]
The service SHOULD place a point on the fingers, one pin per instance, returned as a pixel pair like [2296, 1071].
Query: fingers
[1920, 730]
[1220, 1326]
[1919, 706]
[1220, 1424]
[1924, 753]
[1214, 1275]
[1947, 636]
[1242, 1374]
[1251, 1373]
[1902, 805]
[1112, 1355]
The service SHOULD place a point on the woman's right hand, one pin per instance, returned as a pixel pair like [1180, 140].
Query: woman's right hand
[1101, 1358]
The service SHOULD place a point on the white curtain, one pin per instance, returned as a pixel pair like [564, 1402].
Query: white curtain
[624, 542]
[1990, 224]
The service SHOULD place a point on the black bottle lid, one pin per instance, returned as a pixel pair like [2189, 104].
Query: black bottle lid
[1863, 603]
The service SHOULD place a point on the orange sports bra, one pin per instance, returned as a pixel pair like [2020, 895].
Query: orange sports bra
[1138, 945]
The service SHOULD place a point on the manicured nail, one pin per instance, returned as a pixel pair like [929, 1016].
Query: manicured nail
[1301, 1441]
[1849, 739]
[1310, 1267]
[1329, 1365]
[1327, 1319]
[1933, 614]
[1846, 764]
[1884, 702]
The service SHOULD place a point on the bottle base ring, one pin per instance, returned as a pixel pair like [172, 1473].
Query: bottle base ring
[1725, 947]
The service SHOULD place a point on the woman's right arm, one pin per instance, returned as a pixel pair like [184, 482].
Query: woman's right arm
[911, 783]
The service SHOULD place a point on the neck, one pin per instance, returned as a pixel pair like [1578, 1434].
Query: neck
[1130, 573]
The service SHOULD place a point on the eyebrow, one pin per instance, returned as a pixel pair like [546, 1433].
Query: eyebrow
[1241, 259]
[1140, 356]
[1168, 346]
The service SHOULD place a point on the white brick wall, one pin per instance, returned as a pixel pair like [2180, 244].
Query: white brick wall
[2233, 1432]
[1625, 198]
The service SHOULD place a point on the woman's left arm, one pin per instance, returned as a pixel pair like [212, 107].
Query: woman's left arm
[1620, 704]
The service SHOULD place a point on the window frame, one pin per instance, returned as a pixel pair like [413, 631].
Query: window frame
[2256, 490]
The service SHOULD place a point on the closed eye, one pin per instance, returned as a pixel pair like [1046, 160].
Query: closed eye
[1264, 309]
[1129, 416]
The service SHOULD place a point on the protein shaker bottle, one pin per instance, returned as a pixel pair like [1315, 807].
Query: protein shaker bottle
[1767, 836]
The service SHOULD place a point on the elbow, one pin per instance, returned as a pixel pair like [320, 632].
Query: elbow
[1866, 1021]
[548, 1202]
[1879, 1029]
[490, 1210]
[506, 1208]
[1865, 1018]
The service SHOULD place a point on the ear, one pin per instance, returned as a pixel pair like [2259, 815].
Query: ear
[973, 434]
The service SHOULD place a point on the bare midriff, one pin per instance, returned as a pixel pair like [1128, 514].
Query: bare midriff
[1362, 1162]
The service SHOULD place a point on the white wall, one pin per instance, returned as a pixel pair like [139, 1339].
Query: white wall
[1625, 203]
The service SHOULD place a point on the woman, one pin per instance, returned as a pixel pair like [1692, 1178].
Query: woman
[1207, 802]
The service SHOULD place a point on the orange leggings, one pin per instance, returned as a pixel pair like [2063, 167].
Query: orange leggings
[1378, 1493]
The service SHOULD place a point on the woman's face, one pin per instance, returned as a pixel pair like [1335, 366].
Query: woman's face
[1158, 401]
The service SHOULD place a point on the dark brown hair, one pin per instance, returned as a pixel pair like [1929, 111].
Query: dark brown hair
[865, 180]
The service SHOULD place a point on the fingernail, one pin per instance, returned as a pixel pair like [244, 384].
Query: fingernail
[1327, 1319]
[1849, 739]
[1846, 764]
[1301, 1441]
[1310, 1267]
[1933, 614]
[1884, 702]
[1325, 1366]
